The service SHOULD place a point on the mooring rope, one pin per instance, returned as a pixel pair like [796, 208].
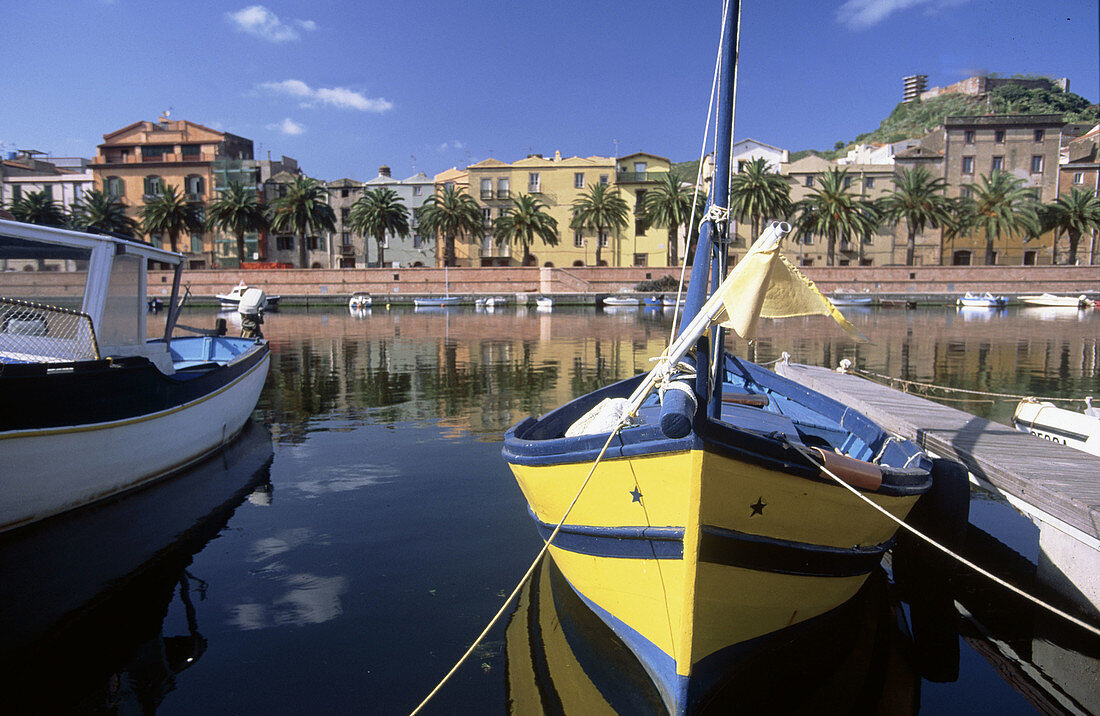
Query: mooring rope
[946, 550]
[847, 367]
[527, 575]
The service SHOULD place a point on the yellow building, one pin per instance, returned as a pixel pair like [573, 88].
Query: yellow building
[558, 182]
[140, 159]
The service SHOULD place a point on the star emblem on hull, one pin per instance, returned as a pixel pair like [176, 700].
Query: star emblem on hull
[758, 507]
[636, 494]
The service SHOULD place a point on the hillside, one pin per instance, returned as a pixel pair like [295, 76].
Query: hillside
[915, 119]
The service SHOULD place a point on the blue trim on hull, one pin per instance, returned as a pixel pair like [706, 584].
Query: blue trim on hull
[616, 542]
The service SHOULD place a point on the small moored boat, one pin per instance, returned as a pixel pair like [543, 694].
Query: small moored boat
[544, 303]
[1049, 300]
[1068, 427]
[233, 298]
[360, 300]
[89, 407]
[981, 300]
[851, 298]
[622, 300]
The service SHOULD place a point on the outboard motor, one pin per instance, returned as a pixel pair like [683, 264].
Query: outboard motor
[251, 309]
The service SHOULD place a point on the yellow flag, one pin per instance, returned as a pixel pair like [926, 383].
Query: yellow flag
[764, 284]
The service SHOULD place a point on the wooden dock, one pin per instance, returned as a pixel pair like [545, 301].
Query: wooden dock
[1060, 481]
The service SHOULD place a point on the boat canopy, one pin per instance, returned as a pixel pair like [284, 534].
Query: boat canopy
[101, 277]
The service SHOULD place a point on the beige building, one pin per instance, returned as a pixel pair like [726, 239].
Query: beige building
[140, 159]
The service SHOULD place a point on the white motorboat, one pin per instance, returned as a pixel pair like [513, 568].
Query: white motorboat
[1068, 427]
[621, 300]
[90, 408]
[981, 300]
[360, 300]
[233, 298]
[544, 303]
[851, 298]
[1050, 300]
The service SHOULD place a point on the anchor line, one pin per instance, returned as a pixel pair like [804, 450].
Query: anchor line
[946, 550]
[527, 575]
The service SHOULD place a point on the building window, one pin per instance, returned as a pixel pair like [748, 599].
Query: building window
[195, 187]
[1039, 134]
[284, 243]
[344, 193]
[504, 187]
[344, 213]
[578, 180]
[604, 241]
[641, 259]
[345, 238]
[486, 188]
[196, 243]
[113, 187]
[960, 258]
[809, 180]
[418, 190]
[998, 163]
[534, 185]
[578, 239]
[486, 215]
[1029, 257]
[869, 182]
[1037, 164]
[965, 192]
[847, 182]
[155, 151]
[999, 136]
[968, 165]
[316, 243]
[1078, 177]
[968, 136]
[639, 168]
[807, 262]
[190, 150]
[153, 185]
[47, 190]
[603, 179]
[16, 192]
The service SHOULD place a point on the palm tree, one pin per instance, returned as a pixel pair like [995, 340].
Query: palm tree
[757, 194]
[303, 211]
[450, 213]
[525, 220]
[1000, 204]
[38, 207]
[237, 211]
[669, 205]
[102, 211]
[379, 212]
[1075, 213]
[170, 213]
[600, 208]
[833, 211]
[918, 199]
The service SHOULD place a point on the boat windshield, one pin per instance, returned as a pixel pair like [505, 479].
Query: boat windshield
[123, 322]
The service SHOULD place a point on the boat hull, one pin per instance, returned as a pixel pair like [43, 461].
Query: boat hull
[436, 302]
[127, 429]
[1066, 427]
[687, 554]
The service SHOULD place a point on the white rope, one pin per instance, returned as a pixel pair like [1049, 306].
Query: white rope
[526, 575]
[963, 560]
[847, 368]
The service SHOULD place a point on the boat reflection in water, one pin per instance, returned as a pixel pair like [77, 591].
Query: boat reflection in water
[561, 658]
[84, 595]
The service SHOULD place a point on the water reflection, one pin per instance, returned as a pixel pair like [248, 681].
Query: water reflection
[483, 372]
[85, 595]
[562, 659]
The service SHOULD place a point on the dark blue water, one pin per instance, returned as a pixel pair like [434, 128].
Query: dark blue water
[347, 550]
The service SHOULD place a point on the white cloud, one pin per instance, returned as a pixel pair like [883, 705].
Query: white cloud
[862, 14]
[455, 144]
[288, 127]
[258, 21]
[340, 97]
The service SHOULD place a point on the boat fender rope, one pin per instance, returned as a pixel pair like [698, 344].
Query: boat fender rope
[954, 555]
[715, 213]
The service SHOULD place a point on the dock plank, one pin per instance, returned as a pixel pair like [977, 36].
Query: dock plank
[1062, 481]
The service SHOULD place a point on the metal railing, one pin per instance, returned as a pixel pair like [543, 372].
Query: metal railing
[37, 333]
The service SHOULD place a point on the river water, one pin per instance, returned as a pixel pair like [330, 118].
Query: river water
[342, 555]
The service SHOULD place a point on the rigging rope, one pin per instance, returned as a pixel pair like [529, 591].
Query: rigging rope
[958, 557]
[846, 367]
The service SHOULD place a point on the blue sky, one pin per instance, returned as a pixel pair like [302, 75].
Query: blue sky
[423, 85]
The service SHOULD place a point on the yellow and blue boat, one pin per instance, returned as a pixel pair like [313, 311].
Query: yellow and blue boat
[689, 508]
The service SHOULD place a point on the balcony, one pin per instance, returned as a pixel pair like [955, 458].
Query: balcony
[347, 250]
[195, 196]
[504, 194]
[486, 194]
[638, 177]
